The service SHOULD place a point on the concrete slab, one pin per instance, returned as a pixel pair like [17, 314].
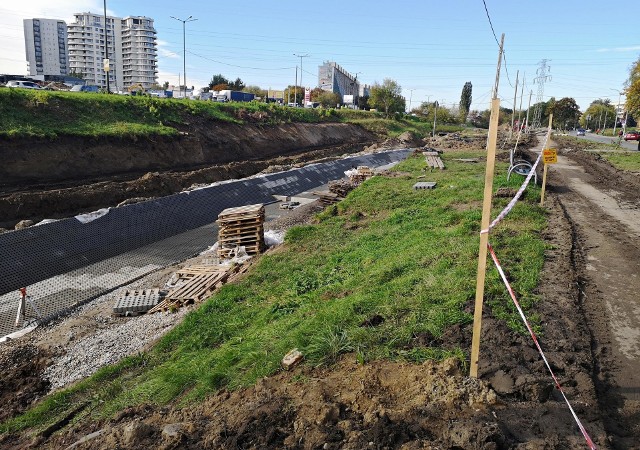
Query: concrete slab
[424, 185]
[136, 302]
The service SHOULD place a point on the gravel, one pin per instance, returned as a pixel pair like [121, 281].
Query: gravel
[109, 345]
[91, 337]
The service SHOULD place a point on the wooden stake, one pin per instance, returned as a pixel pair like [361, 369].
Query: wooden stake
[486, 217]
[544, 173]
[544, 183]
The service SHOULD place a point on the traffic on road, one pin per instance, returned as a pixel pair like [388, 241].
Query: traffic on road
[627, 144]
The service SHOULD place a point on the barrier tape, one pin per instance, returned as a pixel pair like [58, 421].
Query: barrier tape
[524, 185]
[590, 443]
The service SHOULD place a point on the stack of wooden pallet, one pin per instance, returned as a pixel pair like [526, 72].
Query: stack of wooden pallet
[433, 160]
[196, 284]
[327, 198]
[340, 187]
[241, 227]
[362, 173]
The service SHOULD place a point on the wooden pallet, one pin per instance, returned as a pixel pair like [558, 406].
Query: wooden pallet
[241, 226]
[187, 273]
[433, 160]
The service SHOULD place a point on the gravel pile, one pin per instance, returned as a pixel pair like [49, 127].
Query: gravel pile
[109, 345]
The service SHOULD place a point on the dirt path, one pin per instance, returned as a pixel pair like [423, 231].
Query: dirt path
[603, 208]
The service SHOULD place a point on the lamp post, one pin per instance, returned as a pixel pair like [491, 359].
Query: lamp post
[301, 85]
[615, 122]
[184, 49]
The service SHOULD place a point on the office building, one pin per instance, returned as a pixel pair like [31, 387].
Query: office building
[46, 46]
[131, 44]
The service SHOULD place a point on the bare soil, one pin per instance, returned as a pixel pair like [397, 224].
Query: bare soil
[593, 255]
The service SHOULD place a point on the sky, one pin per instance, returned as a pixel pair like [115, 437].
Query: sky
[430, 48]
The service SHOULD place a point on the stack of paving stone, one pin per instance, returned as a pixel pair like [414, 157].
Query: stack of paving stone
[241, 227]
[327, 198]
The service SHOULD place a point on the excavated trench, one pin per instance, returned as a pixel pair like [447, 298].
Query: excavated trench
[51, 180]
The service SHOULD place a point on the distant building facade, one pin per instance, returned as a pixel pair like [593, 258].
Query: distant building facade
[333, 78]
[131, 44]
[46, 46]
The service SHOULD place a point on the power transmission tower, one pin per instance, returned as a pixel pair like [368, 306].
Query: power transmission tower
[541, 78]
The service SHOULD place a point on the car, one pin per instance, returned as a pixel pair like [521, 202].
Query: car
[580, 132]
[22, 84]
[632, 136]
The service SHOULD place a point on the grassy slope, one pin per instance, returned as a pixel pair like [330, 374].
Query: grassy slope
[408, 256]
[27, 113]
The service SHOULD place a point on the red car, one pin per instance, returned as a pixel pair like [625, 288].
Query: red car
[632, 136]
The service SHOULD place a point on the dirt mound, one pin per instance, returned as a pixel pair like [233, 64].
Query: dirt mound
[352, 406]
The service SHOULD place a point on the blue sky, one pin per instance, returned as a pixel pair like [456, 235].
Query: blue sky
[430, 48]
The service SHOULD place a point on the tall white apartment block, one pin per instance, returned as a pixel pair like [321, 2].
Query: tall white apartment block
[132, 49]
[46, 46]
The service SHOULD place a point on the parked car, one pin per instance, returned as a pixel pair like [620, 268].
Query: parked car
[580, 132]
[632, 136]
[85, 88]
[22, 84]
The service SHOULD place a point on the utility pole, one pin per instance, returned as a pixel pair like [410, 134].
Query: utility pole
[520, 108]
[410, 97]
[105, 63]
[184, 49]
[301, 85]
[526, 121]
[540, 80]
[435, 116]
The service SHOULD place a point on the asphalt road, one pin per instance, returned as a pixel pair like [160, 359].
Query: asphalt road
[627, 145]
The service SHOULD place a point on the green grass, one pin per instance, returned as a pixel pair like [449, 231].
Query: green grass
[408, 256]
[629, 161]
[48, 114]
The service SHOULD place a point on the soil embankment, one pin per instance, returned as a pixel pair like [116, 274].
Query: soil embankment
[53, 179]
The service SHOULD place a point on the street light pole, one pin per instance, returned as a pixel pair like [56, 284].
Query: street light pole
[184, 49]
[301, 86]
[615, 122]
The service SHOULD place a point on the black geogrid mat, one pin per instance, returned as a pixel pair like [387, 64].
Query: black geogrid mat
[67, 262]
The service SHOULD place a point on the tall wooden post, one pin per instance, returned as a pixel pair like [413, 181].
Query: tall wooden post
[486, 217]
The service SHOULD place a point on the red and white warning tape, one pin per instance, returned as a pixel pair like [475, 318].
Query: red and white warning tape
[515, 199]
[590, 443]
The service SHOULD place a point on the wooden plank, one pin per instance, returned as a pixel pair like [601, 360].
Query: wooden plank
[197, 289]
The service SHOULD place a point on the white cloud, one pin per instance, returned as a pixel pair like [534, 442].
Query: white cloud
[165, 52]
[620, 49]
[12, 52]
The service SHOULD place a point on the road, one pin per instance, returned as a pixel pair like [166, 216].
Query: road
[627, 145]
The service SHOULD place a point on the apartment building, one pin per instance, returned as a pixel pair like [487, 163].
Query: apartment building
[131, 45]
[46, 46]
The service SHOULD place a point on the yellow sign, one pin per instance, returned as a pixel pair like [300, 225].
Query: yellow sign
[550, 156]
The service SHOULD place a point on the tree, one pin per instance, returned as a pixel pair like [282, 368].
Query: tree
[600, 114]
[165, 85]
[565, 113]
[218, 83]
[237, 85]
[75, 74]
[465, 101]
[386, 96]
[328, 99]
[257, 90]
[633, 91]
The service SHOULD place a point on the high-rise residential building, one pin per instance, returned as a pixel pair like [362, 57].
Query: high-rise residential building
[131, 44]
[46, 46]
